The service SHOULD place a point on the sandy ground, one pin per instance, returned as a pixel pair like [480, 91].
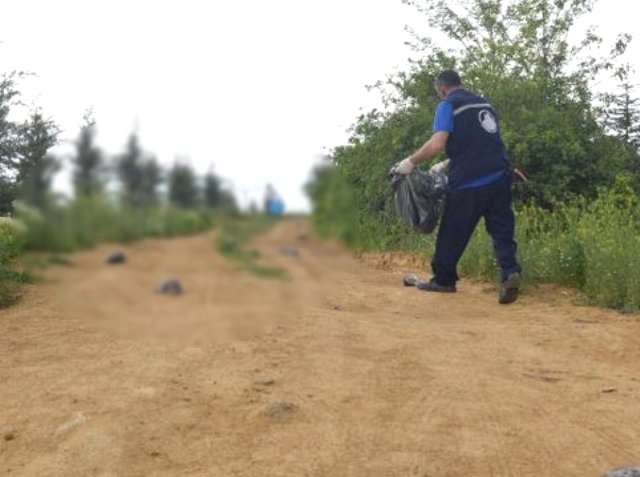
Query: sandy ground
[338, 371]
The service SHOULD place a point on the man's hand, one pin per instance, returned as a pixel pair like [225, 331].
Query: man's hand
[404, 167]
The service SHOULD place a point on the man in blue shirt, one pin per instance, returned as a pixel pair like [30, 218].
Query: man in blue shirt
[466, 127]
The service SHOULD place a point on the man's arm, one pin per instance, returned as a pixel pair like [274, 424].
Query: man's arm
[431, 148]
[434, 146]
[442, 127]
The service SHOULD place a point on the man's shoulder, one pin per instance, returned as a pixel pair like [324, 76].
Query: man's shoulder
[465, 100]
[465, 95]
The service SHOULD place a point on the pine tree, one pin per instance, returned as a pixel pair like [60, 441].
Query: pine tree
[151, 180]
[9, 142]
[623, 115]
[129, 169]
[36, 166]
[212, 192]
[183, 188]
[88, 162]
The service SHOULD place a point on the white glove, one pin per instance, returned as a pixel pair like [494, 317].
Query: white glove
[440, 167]
[404, 167]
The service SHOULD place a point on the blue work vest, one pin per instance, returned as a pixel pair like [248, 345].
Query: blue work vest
[475, 148]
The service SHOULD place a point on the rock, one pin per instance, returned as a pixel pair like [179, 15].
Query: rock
[116, 258]
[624, 472]
[289, 250]
[9, 435]
[77, 420]
[265, 382]
[170, 286]
[279, 409]
[410, 280]
[608, 390]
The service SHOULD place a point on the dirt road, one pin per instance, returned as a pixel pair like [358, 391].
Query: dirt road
[338, 371]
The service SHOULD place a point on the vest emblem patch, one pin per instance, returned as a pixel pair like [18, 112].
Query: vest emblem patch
[488, 121]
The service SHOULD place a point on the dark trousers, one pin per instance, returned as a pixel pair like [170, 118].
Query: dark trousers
[462, 212]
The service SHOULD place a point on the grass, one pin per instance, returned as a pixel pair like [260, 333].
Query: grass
[88, 221]
[232, 240]
[11, 242]
[83, 223]
[592, 245]
[10, 285]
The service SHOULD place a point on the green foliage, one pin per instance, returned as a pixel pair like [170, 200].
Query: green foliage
[9, 141]
[89, 220]
[579, 225]
[590, 245]
[610, 233]
[335, 212]
[25, 166]
[89, 167]
[139, 175]
[183, 187]
[151, 181]
[515, 53]
[232, 241]
[216, 197]
[623, 109]
[53, 225]
[212, 190]
[7, 195]
[36, 166]
[11, 241]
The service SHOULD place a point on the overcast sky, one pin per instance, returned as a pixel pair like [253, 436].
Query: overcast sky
[258, 88]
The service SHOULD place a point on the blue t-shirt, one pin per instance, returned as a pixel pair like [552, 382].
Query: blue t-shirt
[443, 119]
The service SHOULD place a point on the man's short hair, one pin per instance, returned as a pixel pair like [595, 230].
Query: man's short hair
[448, 78]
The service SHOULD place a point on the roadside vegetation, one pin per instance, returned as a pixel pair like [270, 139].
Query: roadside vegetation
[578, 220]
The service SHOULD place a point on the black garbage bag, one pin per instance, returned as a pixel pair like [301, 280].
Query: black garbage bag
[419, 198]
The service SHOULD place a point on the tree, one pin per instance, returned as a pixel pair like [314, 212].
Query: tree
[36, 166]
[623, 109]
[9, 141]
[139, 174]
[334, 207]
[183, 188]
[212, 193]
[129, 169]
[515, 53]
[151, 180]
[88, 162]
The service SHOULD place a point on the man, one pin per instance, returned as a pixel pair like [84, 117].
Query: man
[273, 203]
[466, 127]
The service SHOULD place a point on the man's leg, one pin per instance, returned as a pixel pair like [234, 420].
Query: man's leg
[456, 227]
[500, 223]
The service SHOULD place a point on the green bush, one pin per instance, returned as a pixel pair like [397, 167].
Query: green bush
[609, 236]
[232, 240]
[593, 246]
[90, 220]
[11, 242]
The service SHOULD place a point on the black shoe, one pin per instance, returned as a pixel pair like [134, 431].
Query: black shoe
[433, 286]
[509, 289]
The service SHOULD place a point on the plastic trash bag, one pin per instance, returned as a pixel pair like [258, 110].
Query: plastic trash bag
[419, 198]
